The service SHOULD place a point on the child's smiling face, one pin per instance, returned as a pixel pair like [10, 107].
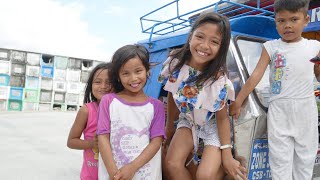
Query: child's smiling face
[133, 76]
[290, 25]
[204, 45]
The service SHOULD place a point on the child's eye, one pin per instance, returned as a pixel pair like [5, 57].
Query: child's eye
[215, 42]
[199, 36]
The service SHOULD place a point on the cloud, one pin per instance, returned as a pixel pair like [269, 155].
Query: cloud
[115, 10]
[47, 26]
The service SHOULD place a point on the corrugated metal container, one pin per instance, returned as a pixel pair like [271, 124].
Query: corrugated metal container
[30, 106]
[72, 107]
[31, 95]
[17, 81]
[16, 93]
[46, 84]
[73, 87]
[47, 71]
[32, 82]
[4, 54]
[44, 106]
[74, 63]
[82, 88]
[33, 59]
[3, 105]
[72, 99]
[18, 69]
[4, 79]
[73, 75]
[33, 71]
[4, 67]
[60, 62]
[4, 92]
[58, 107]
[14, 105]
[47, 60]
[85, 76]
[45, 96]
[81, 98]
[60, 75]
[18, 57]
[60, 86]
[86, 65]
[59, 97]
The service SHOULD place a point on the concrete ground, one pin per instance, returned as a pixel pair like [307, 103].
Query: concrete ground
[33, 146]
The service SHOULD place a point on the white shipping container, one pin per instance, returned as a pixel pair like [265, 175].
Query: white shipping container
[33, 71]
[72, 99]
[60, 86]
[33, 59]
[32, 82]
[4, 92]
[30, 106]
[73, 75]
[44, 107]
[45, 96]
[59, 97]
[3, 105]
[73, 87]
[60, 74]
[46, 84]
[4, 67]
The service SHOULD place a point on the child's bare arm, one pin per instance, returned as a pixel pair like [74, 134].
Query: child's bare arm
[80, 123]
[251, 83]
[172, 115]
[106, 154]
[231, 166]
[128, 171]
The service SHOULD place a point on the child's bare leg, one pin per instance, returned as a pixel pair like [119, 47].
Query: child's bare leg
[210, 166]
[192, 167]
[180, 147]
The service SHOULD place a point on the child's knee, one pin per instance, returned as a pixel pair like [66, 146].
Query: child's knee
[173, 165]
[210, 174]
[203, 174]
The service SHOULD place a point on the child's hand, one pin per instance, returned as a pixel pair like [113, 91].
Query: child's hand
[235, 109]
[125, 173]
[233, 168]
[94, 142]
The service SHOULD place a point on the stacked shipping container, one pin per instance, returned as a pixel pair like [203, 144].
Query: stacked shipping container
[34, 81]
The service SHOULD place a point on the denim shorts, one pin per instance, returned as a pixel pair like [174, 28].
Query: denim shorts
[207, 132]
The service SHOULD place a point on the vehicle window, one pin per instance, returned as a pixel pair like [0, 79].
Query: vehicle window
[250, 52]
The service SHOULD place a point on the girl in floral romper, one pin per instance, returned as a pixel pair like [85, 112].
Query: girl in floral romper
[199, 89]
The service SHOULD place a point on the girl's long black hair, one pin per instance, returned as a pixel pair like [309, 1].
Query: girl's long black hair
[88, 96]
[217, 64]
[122, 56]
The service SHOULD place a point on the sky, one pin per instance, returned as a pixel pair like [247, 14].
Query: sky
[88, 29]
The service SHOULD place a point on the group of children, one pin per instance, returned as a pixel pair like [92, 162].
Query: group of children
[124, 129]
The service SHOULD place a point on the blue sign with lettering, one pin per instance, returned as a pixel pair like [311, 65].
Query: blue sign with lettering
[259, 163]
[314, 24]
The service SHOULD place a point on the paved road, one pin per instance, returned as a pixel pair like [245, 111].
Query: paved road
[33, 146]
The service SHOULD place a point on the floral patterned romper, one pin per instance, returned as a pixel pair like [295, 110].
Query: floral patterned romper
[197, 102]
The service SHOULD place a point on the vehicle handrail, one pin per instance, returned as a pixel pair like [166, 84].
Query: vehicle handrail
[178, 22]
